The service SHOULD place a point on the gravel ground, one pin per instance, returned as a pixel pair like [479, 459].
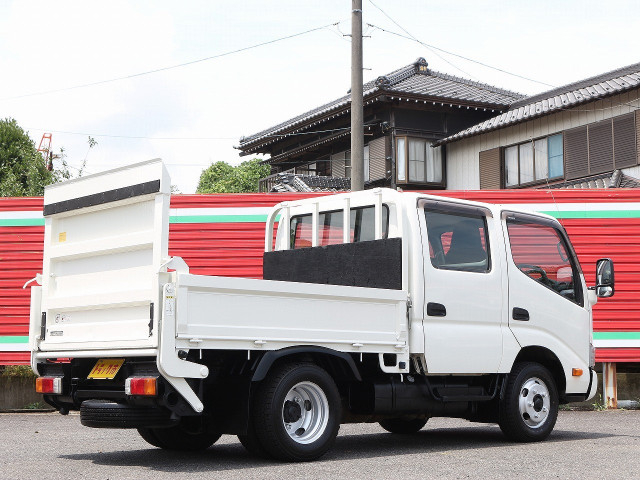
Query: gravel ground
[584, 445]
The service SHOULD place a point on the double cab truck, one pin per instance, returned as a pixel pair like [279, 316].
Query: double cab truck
[376, 306]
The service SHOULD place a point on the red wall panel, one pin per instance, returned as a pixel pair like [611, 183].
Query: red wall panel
[235, 249]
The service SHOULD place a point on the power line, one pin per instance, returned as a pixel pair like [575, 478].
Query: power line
[140, 137]
[162, 69]
[412, 37]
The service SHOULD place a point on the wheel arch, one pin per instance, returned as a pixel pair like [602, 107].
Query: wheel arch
[338, 364]
[546, 358]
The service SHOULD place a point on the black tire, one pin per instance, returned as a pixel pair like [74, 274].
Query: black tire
[300, 395]
[530, 392]
[252, 444]
[180, 437]
[108, 414]
[402, 425]
[149, 436]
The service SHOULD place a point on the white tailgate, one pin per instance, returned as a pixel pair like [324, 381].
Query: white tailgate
[106, 237]
[240, 313]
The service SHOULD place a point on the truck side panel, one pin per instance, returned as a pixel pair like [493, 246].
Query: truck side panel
[235, 313]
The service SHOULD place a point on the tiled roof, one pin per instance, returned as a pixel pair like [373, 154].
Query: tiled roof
[415, 80]
[584, 91]
[615, 179]
[289, 182]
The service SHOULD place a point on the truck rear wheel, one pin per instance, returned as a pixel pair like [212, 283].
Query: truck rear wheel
[529, 408]
[402, 425]
[297, 412]
[252, 444]
[180, 437]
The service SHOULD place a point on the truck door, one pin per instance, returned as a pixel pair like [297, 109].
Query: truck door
[546, 290]
[463, 304]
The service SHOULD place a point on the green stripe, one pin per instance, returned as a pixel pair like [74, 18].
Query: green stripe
[594, 213]
[616, 335]
[569, 214]
[21, 222]
[14, 339]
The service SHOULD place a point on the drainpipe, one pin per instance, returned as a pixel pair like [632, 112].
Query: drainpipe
[609, 385]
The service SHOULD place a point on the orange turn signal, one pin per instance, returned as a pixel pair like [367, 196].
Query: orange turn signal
[49, 385]
[576, 372]
[145, 386]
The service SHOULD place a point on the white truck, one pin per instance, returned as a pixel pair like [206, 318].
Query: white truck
[376, 306]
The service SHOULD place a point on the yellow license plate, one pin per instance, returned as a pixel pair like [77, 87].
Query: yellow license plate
[106, 368]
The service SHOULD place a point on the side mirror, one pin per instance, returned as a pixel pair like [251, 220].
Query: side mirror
[605, 278]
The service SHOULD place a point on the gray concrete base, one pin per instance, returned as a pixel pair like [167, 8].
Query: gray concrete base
[18, 393]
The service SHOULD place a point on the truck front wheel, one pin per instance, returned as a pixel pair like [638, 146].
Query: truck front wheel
[297, 412]
[529, 408]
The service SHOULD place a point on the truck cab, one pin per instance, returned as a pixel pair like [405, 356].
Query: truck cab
[379, 305]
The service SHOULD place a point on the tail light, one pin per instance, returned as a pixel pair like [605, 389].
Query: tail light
[144, 386]
[49, 385]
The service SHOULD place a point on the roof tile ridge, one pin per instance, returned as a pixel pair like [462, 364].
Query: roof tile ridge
[475, 83]
[579, 84]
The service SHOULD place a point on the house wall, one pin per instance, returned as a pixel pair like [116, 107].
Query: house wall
[463, 172]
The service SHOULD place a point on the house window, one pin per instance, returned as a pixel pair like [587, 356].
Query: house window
[366, 163]
[534, 161]
[417, 161]
[337, 159]
[347, 164]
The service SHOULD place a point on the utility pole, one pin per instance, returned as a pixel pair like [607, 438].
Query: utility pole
[357, 126]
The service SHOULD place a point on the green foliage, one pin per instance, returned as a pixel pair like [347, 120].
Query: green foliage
[598, 404]
[36, 406]
[17, 371]
[22, 169]
[221, 177]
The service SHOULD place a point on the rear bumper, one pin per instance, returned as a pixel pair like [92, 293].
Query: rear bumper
[77, 388]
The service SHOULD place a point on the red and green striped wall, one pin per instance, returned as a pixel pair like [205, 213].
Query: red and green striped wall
[224, 235]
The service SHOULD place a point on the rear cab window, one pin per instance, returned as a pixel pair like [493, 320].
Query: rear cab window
[331, 225]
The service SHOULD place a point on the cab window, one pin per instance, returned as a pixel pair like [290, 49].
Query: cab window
[541, 253]
[458, 241]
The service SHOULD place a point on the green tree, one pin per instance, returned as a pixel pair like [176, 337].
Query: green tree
[22, 169]
[220, 177]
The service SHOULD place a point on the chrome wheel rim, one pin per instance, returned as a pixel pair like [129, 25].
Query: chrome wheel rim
[534, 402]
[305, 412]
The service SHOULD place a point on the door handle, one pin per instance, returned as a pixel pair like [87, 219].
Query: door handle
[520, 314]
[436, 310]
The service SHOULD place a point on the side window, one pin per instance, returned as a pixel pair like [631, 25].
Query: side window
[363, 223]
[540, 252]
[330, 226]
[301, 231]
[458, 241]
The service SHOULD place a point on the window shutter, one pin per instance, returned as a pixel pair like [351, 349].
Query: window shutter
[576, 153]
[600, 147]
[337, 165]
[490, 163]
[624, 141]
[377, 158]
[638, 135]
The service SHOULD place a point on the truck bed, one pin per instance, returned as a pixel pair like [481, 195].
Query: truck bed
[239, 313]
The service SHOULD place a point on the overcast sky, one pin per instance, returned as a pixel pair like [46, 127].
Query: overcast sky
[194, 115]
